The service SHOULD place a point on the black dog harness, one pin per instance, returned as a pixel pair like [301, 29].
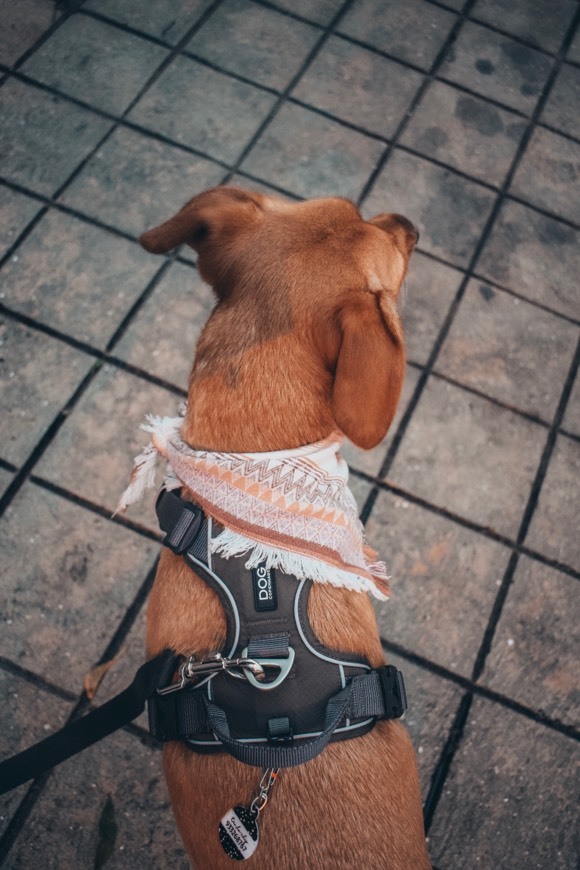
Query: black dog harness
[274, 696]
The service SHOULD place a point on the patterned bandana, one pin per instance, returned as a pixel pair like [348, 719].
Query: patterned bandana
[291, 509]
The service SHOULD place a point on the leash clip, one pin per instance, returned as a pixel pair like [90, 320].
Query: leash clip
[191, 669]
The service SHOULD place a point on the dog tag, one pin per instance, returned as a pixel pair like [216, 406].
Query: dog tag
[239, 833]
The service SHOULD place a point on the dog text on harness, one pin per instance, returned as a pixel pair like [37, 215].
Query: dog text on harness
[264, 581]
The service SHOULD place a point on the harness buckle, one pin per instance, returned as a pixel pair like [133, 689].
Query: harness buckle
[394, 694]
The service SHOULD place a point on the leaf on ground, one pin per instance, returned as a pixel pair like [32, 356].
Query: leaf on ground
[94, 677]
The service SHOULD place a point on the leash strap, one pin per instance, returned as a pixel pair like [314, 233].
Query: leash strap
[80, 734]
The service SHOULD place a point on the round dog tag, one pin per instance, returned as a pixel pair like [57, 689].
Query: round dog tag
[239, 833]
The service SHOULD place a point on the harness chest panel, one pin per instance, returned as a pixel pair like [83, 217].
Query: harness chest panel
[267, 622]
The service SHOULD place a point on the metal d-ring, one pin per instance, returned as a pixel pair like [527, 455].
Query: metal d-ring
[284, 664]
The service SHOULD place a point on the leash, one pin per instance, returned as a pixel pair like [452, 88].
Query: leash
[378, 694]
[83, 732]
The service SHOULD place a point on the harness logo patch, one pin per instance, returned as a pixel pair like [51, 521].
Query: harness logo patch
[264, 581]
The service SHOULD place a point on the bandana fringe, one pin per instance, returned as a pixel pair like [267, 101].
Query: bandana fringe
[229, 543]
[310, 470]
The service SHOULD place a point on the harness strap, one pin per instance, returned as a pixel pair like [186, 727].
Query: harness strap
[99, 723]
[379, 694]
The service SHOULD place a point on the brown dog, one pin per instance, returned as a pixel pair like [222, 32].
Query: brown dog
[305, 338]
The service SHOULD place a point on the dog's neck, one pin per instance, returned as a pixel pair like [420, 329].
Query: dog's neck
[258, 384]
[234, 419]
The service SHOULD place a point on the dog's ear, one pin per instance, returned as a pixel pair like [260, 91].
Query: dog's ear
[370, 368]
[205, 217]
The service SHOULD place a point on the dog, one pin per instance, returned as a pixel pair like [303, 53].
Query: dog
[305, 339]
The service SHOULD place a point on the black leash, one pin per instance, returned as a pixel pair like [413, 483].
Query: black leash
[80, 734]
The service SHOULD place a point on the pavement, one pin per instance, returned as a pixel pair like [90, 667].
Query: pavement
[462, 116]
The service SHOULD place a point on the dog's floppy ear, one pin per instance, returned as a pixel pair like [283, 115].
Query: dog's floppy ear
[370, 368]
[209, 214]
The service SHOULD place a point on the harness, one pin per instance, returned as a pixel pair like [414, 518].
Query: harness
[274, 696]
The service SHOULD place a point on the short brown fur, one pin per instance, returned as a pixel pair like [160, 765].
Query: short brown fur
[305, 338]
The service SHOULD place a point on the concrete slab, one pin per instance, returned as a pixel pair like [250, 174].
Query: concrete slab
[162, 338]
[370, 461]
[379, 89]
[95, 63]
[76, 277]
[92, 456]
[571, 422]
[134, 182]
[41, 375]
[428, 292]
[28, 715]
[555, 522]
[255, 42]
[533, 657]
[444, 580]
[547, 173]
[566, 92]
[69, 573]
[319, 11]
[310, 155]
[396, 31]
[168, 21]
[115, 806]
[535, 256]
[540, 22]
[16, 212]
[497, 340]
[69, 577]
[465, 132]
[450, 211]
[463, 453]
[432, 705]
[496, 66]
[44, 137]
[204, 109]
[23, 26]
[485, 817]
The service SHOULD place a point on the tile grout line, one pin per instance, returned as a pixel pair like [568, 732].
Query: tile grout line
[119, 233]
[456, 732]
[314, 51]
[90, 350]
[20, 817]
[416, 100]
[121, 121]
[469, 272]
[95, 508]
[52, 28]
[457, 519]
[436, 4]
[33, 679]
[106, 357]
[444, 673]
[28, 802]
[528, 514]
[60, 418]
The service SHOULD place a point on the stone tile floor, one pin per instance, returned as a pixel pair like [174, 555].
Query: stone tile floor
[461, 115]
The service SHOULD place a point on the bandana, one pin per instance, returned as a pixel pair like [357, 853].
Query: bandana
[290, 509]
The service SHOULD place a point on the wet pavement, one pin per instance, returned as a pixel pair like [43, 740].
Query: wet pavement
[462, 116]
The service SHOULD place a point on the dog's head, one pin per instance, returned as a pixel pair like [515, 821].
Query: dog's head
[314, 277]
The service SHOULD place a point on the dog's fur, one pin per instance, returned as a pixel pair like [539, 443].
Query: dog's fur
[305, 338]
